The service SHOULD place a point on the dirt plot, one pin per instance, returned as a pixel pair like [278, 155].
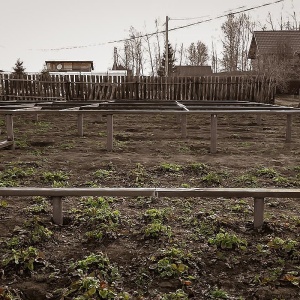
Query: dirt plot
[148, 248]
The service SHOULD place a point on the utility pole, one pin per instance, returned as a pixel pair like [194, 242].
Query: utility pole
[167, 48]
[115, 58]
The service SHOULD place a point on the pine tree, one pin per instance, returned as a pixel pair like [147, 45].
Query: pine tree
[19, 68]
[171, 62]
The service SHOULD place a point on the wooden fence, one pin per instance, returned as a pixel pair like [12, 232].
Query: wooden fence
[98, 87]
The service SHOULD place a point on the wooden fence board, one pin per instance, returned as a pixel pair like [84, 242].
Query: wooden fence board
[88, 87]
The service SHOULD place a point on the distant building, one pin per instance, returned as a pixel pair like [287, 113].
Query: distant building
[69, 66]
[194, 71]
[266, 45]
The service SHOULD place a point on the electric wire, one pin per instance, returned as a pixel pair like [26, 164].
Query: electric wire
[163, 31]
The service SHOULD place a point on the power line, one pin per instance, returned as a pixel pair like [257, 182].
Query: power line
[221, 16]
[185, 19]
[163, 31]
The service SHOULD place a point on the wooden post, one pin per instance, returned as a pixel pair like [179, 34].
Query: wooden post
[258, 119]
[259, 206]
[57, 210]
[10, 130]
[183, 125]
[213, 133]
[288, 138]
[110, 132]
[80, 124]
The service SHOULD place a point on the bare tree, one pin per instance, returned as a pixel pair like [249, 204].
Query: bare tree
[132, 53]
[214, 58]
[197, 55]
[287, 22]
[236, 39]
[281, 66]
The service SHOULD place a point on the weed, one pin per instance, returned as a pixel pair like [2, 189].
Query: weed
[8, 294]
[247, 180]
[13, 242]
[11, 176]
[241, 207]
[204, 229]
[42, 126]
[59, 184]
[155, 214]
[156, 229]
[3, 204]
[172, 262]
[36, 231]
[55, 177]
[225, 240]
[21, 144]
[138, 174]
[97, 277]
[283, 181]
[265, 172]
[178, 295]
[212, 179]
[219, 294]
[185, 185]
[67, 146]
[197, 168]
[283, 245]
[170, 168]
[41, 206]
[270, 275]
[16, 173]
[167, 268]
[102, 173]
[98, 217]
[23, 260]
[246, 144]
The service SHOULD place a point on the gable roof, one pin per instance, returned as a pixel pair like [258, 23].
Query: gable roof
[267, 42]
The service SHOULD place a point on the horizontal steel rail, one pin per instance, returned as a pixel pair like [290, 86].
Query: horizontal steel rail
[57, 194]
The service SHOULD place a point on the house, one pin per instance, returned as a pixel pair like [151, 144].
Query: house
[267, 46]
[69, 66]
[194, 71]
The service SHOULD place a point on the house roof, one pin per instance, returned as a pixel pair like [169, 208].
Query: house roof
[193, 70]
[267, 42]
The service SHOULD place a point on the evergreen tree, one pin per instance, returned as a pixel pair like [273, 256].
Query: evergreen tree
[171, 62]
[19, 68]
[44, 74]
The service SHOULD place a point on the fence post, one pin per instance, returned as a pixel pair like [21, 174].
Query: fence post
[288, 138]
[183, 125]
[259, 206]
[258, 119]
[80, 124]
[57, 210]
[10, 130]
[137, 89]
[110, 132]
[213, 133]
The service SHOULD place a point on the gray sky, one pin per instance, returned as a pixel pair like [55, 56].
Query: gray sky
[29, 26]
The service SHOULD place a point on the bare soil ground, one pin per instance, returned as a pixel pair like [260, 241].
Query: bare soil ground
[147, 248]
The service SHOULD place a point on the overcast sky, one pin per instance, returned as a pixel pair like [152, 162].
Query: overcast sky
[31, 28]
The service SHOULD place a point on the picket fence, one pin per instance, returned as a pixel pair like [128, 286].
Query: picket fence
[99, 87]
